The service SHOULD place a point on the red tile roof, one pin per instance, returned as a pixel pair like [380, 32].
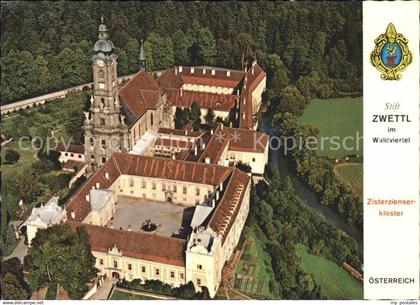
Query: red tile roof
[141, 245]
[220, 77]
[237, 139]
[182, 155]
[253, 77]
[74, 148]
[216, 145]
[201, 144]
[78, 203]
[226, 211]
[246, 140]
[140, 93]
[122, 163]
[198, 80]
[184, 145]
[180, 132]
[185, 98]
[170, 80]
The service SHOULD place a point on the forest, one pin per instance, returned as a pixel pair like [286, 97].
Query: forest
[306, 48]
[284, 221]
[318, 172]
[309, 50]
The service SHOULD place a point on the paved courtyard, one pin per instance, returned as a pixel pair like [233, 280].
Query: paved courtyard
[170, 219]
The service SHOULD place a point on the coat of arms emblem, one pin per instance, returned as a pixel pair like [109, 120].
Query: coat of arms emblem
[391, 54]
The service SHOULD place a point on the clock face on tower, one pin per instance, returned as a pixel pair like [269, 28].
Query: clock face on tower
[100, 63]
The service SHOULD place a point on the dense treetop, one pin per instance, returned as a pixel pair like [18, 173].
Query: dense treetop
[46, 46]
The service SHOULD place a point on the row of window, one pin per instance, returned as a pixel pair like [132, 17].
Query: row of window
[72, 155]
[143, 269]
[167, 188]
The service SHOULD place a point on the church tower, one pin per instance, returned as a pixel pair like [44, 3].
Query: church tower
[105, 130]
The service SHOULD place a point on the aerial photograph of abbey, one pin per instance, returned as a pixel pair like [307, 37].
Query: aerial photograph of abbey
[181, 150]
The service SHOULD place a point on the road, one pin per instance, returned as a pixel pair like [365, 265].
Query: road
[104, 290]
[146, 294]
[20, 251]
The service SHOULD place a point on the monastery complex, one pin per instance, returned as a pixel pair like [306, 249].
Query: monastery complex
[163, 203]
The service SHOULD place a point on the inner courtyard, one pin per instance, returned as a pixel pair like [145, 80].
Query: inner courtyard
[165, 219]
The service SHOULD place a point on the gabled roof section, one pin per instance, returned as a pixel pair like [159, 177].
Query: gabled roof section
[170, 80]
[210, 76]
[165, 168]
[246, 140]
[67, 147]
[226, 211]
[253, 77]
[185, 98]
[142, 92]
[78, 203]
[217, 144]
[150, 247]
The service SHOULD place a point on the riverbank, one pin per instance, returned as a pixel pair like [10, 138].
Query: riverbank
[278, 161]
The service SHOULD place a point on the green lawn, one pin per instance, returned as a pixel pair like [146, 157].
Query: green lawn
[335, 282]
[255, 255]
[120, 295]
[63, 117]
[27, 157]
[351, 174]
[336, 117]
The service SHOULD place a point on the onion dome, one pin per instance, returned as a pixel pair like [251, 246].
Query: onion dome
[103, 47]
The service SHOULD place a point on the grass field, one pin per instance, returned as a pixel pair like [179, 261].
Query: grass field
[351, 174]
[120, 295]
[27, 158]
[62, 118]
[255, 255]
[335, 282]
[56, 116]
[336, 117]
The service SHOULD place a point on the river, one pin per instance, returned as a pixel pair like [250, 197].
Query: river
[277, 160]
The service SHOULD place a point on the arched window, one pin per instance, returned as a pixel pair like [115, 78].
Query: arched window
[102, 121]
[151, 119]
[101, 74]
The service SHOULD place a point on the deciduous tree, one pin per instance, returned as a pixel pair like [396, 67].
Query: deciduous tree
[60, 255]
